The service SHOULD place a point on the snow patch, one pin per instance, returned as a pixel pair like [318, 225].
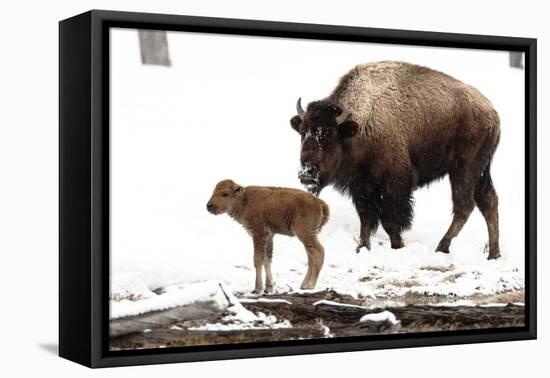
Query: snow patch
[232, 323]
[332, 303]
[129, 286]
[237, 313]
[380, 318]
[264, 300]
[163, 237]
[209, 291]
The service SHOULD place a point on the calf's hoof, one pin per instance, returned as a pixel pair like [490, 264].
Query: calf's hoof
[305, 286]
[493, 256]
[257, 291]
[269, 289]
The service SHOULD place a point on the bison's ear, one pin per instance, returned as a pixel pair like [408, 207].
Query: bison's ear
[295, 122]
[348, 129]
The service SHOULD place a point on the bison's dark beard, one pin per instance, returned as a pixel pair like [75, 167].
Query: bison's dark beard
[309, 177]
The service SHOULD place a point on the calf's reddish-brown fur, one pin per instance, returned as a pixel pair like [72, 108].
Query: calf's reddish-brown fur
[266, 211]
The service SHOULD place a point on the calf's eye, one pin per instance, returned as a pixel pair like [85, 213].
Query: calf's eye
[225, 194]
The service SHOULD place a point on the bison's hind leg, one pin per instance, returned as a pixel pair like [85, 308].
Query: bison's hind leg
[462, 188]
[487, 201]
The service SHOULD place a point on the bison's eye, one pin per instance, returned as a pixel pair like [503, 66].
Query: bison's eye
[225, 194]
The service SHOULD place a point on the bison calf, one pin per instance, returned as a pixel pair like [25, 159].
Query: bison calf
[266, 211]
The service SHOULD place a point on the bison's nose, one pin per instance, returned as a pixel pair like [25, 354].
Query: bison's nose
[309, 177]
[307, 172]
[308, 168]
[209, 206]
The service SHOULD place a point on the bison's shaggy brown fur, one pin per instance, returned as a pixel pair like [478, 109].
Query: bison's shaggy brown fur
[266, 211]
[391, 127]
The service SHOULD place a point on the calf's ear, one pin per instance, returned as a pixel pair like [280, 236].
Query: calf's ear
[348, 129]
[238, 190]
[295, 122]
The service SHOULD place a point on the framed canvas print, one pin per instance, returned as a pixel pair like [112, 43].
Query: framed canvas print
[235, 188]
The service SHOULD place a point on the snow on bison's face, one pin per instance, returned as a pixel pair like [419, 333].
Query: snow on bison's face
[323, 129]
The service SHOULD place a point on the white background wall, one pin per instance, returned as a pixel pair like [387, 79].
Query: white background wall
[28, 189]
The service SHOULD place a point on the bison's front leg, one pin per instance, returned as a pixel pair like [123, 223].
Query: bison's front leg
[369, 216]
[368, 227]
[396, 215]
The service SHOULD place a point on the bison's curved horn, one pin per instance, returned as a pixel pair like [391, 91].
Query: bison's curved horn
[342, 117]
[299, 109]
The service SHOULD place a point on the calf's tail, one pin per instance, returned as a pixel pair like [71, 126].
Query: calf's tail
[325, 213]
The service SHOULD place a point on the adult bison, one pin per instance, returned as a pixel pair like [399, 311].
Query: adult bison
[391, 127]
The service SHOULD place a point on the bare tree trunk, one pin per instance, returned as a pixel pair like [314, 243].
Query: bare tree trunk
[516, 59]
[154, 47]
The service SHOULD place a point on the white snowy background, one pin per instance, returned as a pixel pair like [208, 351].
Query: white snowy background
[222, 111]
[29, 150]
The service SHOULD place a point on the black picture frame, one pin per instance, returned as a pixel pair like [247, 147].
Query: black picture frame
[84, 186]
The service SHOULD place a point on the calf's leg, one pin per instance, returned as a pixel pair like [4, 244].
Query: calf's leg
[267, 265]
[316, 256]
[305, 282]
[259, 254]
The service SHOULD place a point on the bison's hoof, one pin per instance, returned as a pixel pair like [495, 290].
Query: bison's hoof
[443, 247]
[307, 287]
[493, 256]
[397, 244]
[257, 291]
[361, 245]
[269, 289]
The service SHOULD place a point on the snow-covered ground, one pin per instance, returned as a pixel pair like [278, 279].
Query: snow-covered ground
[222, 111]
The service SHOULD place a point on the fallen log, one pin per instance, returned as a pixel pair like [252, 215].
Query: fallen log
[312, 316]
[167, 337]
[155, 319]
[204, 300]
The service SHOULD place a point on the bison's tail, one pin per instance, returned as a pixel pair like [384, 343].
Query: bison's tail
[325, 213]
